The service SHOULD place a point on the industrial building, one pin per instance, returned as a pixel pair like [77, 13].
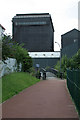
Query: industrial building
[36, 31]
[70, 42]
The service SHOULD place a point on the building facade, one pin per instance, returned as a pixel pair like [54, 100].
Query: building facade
[70, 42]
[36, 31]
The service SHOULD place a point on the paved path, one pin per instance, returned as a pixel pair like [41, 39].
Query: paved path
[50, 75]
[46, 99]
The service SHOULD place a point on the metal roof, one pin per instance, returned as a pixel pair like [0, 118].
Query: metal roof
[32, 15]
[70, 31]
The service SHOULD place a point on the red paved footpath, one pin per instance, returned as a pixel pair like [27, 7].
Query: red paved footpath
[46, 99]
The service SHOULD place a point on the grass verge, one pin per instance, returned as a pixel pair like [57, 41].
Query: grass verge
[15, 82]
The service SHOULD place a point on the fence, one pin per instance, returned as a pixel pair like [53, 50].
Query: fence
[73, 83]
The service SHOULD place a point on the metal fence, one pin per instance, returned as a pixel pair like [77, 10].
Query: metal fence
[73, 83]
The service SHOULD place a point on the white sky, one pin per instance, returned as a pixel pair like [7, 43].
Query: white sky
[64, 13]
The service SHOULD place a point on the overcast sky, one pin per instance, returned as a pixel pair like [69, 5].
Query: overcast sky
[64, 13]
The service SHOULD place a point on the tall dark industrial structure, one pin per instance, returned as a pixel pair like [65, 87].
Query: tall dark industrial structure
[36, 31]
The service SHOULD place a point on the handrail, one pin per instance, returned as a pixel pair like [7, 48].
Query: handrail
[54, 71]
[43, 70]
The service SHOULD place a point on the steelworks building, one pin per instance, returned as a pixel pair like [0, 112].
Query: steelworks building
[70, 42]
[36, 31]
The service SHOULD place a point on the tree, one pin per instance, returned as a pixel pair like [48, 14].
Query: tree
[14, 50]
[6, 48]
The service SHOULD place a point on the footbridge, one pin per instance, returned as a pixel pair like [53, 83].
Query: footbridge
[49, 73]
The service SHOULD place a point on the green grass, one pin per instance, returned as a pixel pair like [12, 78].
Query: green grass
[14, 83]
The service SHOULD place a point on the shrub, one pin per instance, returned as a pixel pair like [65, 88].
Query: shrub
[75, 61]
[70, 63]
[64, 65]
[32, 71]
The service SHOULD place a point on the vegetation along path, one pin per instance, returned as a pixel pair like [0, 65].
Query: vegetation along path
[45, 99]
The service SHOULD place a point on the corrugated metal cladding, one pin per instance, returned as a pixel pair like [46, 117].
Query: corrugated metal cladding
[45, 62]
[70, 42]
[36, 31]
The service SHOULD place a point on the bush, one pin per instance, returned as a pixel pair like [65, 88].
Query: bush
[64, 65]
[32, 71]
[75, 61]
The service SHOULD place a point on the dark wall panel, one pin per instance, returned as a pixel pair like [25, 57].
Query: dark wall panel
[70, 50]
[69, 38]
[36, 33]
[38, 38]
[70, 42]
[45, 62]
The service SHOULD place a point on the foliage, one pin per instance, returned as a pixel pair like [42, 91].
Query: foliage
[16, 82]
[75, 61]
[64, 65]
[47, 67]
[22, 57]
[57, 66]
[71, 63]
[14, 50]
[6, 47]
[32, 71]
[38, 74]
